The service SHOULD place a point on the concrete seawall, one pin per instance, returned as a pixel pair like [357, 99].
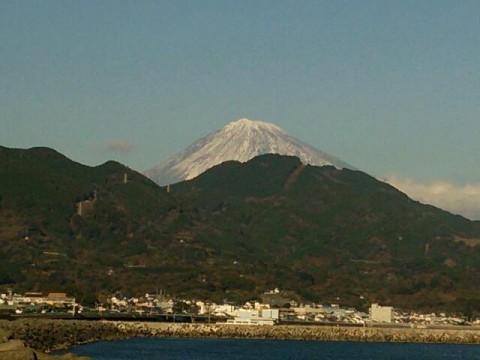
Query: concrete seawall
[26, 340]
[319, 333]
[47, 335]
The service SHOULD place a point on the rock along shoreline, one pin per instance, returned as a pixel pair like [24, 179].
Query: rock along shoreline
[48, 335]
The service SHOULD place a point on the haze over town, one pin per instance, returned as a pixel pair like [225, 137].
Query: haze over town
[389, 87]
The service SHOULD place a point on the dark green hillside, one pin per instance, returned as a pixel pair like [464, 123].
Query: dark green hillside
[47, 245]
[329, 233]
[235, 231]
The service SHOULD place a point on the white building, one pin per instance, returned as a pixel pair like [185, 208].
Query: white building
[255, 317]
[215, 309]
[381, 313]
[224, 309]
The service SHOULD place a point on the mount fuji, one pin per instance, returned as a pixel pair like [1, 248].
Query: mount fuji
[241, 141]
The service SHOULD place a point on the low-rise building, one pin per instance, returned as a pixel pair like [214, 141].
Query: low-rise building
[255, 317]
[381, 313]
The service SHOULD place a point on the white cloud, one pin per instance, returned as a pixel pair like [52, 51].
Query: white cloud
[119, 146]
[458, 199]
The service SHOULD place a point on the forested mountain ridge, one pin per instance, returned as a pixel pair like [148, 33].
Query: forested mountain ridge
[239, 229]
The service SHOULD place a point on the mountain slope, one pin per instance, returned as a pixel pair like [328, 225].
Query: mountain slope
[332, 235]
[241, 141]
[46, 244]
[327, 234]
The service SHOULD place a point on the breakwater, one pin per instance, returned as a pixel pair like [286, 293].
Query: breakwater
[318, 333]
[29, 339]
[48, 335]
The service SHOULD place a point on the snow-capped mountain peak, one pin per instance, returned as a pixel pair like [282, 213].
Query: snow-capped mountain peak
[239, 140]
[251, 125]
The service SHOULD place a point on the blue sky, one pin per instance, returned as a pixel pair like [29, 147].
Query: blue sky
[391, 87]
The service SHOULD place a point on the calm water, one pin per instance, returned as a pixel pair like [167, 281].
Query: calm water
[216, 349]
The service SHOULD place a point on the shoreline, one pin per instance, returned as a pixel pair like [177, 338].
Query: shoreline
[311, 333]
[59, 335]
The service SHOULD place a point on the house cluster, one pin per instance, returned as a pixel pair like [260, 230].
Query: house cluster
[439, 319]
[139, 304]
[252, 312]
[36, 302]
[386, 314]
[326, 314]
[264, 312]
